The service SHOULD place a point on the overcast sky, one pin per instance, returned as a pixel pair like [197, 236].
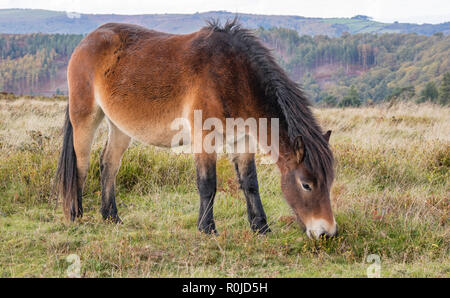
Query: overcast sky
[416, 11]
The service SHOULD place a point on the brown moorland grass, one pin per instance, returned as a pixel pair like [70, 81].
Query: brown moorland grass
[390, 197]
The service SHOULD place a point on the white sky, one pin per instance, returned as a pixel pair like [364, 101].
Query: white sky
[415, 11]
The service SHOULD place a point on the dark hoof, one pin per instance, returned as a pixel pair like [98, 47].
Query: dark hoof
[208, 228]
[264, 230]
[111, 218]
[76, 213]
[209, 232]
[259, 225]
[116, 220]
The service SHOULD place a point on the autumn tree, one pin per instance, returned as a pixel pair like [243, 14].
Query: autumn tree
[352, 99]
[444, 91]
[429, 93]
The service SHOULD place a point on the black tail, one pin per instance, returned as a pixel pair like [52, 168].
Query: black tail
[66, 175]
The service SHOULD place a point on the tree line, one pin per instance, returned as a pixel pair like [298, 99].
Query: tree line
[364, 68]
[31, 59]
[350, 70]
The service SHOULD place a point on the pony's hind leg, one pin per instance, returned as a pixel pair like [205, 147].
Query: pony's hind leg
[206, 184]
[116, 145]
[84, 129]
[245, 166]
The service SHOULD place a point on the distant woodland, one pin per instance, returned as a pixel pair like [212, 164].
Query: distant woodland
[28, 61]
[349, 70]
[364, 68]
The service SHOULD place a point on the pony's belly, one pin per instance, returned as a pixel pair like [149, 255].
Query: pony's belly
[150, 133]
[152, 124]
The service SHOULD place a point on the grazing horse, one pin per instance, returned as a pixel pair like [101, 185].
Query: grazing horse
[141, 80]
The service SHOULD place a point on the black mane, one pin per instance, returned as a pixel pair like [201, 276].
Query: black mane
[294, 105]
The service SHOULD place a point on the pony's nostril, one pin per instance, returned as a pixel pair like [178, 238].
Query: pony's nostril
[324, 236]
[317, 234]
[320, 228]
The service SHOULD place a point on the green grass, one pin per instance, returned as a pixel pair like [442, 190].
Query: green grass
[390, 198]
[358, 26]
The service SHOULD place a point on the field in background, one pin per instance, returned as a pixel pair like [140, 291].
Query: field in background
[390, 197]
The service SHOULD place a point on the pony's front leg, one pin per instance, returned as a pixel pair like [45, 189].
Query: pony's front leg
[245, 166]
[206, 184]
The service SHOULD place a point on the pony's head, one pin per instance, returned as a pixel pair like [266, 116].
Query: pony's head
[308, 192]
[306, 160]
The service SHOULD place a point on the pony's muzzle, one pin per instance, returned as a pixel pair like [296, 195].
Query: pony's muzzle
[318, 228]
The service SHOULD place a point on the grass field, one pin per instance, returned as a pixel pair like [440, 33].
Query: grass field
[390, 197]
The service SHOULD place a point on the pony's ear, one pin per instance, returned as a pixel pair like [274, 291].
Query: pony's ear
[299, 148]
[327, 136]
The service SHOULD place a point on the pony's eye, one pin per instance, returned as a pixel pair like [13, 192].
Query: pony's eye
[306, 187]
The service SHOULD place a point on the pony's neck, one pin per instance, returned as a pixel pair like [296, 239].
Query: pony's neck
[286, 155]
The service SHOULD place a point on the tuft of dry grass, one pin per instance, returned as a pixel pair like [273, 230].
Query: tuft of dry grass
[390, 197]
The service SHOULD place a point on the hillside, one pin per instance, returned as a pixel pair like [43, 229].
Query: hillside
[378, 67]
[35, 63]
[44, 21]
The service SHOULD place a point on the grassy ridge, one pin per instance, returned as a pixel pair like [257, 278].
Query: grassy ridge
[390, 198]
[60, 22]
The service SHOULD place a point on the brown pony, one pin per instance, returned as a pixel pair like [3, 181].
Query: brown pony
[141, 80]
